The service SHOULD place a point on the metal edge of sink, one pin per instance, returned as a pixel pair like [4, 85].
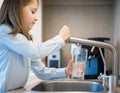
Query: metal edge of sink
[64, 81]
[61, 92]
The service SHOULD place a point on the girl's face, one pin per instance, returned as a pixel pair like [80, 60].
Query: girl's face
[30, 14]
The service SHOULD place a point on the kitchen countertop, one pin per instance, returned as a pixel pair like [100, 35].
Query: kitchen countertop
[33, 80]
[22, 90]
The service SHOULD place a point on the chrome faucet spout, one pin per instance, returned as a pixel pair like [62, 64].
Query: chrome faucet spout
[102, 45]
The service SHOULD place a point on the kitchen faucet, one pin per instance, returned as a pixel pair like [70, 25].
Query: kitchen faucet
[101, 45]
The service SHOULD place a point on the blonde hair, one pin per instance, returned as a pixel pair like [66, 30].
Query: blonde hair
[11, 14]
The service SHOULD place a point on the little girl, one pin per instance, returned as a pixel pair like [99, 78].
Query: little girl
[18, 53]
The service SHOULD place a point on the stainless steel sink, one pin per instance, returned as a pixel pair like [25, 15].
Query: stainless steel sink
[56, 85]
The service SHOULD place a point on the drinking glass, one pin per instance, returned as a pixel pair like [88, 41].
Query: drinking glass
[80, 58]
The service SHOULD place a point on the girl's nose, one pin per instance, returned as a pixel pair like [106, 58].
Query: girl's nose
[36, 17]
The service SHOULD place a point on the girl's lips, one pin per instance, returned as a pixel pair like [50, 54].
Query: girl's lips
[33, 23]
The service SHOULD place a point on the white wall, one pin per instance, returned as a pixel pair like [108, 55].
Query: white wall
[1, 2]
[37, 29]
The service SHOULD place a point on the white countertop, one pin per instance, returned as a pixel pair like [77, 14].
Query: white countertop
[32, 80]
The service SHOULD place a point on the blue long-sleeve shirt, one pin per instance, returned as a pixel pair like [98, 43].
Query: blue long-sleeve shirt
[18, 55]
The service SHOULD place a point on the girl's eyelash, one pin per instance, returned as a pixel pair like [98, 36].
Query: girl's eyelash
[33, 11]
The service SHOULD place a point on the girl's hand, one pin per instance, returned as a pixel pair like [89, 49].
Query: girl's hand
[69, 67]
[65, 33]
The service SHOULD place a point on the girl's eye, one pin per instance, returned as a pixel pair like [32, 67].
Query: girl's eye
[33, 12]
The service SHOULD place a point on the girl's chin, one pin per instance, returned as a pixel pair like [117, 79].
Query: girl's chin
[30, 28]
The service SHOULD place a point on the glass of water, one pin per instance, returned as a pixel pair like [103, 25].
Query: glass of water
[80, 58]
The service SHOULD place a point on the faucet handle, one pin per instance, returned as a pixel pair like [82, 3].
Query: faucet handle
[100, 76]
[109, 82]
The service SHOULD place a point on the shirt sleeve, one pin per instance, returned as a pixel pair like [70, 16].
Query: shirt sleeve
[34, 50]
[45, 73]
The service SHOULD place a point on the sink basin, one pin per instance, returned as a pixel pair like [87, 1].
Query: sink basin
[56, 85]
